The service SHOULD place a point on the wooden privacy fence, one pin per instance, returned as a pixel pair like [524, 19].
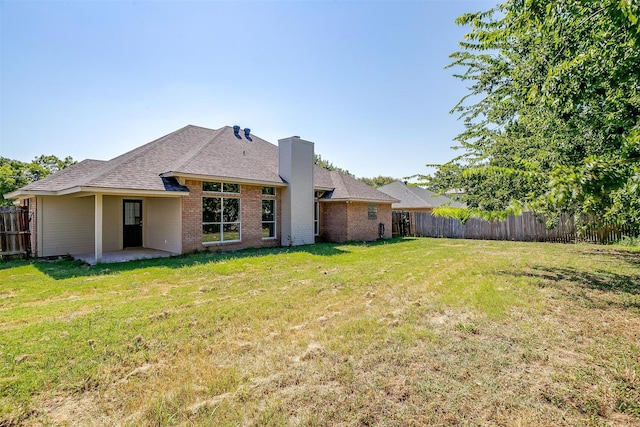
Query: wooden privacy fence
[526, 227]
[15, 238]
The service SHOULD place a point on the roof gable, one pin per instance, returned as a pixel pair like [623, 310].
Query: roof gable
[412, 197]
[346, 187]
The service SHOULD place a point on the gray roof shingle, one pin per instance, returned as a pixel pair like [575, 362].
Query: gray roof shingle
[196, 151]
[412, 197]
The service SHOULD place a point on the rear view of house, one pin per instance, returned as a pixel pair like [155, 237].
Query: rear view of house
[199, 188]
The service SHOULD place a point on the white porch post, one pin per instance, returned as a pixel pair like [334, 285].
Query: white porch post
[98, 227]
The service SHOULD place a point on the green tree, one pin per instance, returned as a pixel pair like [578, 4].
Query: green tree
[318, 160]
[378, 181]
[552, 117]
[15, 173]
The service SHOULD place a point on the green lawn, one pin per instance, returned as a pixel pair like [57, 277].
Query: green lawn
[405, 332]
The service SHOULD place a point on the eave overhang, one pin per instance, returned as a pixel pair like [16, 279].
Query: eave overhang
[81, 191]
[356, 201]
[181, 177]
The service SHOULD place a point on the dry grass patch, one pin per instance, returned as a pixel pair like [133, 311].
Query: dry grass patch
[410, 332]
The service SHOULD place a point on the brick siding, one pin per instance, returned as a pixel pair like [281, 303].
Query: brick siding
[251, 220]
[333, 222]
[342, 221]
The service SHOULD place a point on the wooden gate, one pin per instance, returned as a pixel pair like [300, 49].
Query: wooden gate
[401, 223]
[15, 237]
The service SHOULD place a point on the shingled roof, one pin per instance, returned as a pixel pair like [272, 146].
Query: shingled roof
[197, 152]
[412, 197]
[346, 187]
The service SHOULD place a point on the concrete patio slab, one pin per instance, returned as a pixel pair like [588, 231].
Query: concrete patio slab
[129, 254]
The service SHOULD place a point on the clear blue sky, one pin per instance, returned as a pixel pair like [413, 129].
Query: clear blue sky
[363, 80]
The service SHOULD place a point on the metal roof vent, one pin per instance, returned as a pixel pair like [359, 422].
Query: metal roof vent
[247, 133]
[236, 131]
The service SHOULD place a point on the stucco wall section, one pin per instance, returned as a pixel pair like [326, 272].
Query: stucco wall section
[67, 225]
[295, 163]
[162, 224]
[111, 223]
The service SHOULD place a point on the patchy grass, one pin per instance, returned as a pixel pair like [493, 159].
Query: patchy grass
[405, 332]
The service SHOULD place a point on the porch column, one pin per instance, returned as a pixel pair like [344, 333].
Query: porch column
[98, 227]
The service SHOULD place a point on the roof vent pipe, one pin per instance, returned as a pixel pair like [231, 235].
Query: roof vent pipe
[236, 131]
[247, 133]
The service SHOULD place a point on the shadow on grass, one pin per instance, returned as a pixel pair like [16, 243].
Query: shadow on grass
[601, 280]
[620, 290]
[617, 255]
[60, 270]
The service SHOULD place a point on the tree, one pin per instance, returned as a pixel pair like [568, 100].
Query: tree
[51, 164]
[552, 118]
[378, 181]
[15, 173]
[318, 160]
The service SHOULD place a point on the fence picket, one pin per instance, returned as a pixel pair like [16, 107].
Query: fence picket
[526, 227]
[14, 231]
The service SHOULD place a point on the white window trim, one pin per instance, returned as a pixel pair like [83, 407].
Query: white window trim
[275, 216]
[212, 195]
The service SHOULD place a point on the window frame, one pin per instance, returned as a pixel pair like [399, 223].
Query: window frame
[222, 196]
[266, 191]
[372, 211]
[274, 202]
[223, 187]
[316, 218]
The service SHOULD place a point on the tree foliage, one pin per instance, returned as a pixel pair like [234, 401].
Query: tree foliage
[15, 173]
[318, 160]
[552, 116]
[378, 181]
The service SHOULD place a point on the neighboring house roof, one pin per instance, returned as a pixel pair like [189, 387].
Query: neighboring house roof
[191, 152]
[412, 197]
[346, 187]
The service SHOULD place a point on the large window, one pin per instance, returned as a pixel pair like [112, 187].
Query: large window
[268, 213]
[268, 219]
[220, 214]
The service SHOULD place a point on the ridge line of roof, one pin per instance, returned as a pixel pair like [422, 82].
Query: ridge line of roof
[180, 163]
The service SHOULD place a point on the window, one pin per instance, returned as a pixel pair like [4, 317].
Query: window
[221, 187]
[220, 219]
[268, 191]
[372, 211]
[316, 218]
[268, 219]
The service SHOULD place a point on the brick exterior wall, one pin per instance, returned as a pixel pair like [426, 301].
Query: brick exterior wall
[360, 227]
[333, 222]
[251, 220]
[342, 221]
